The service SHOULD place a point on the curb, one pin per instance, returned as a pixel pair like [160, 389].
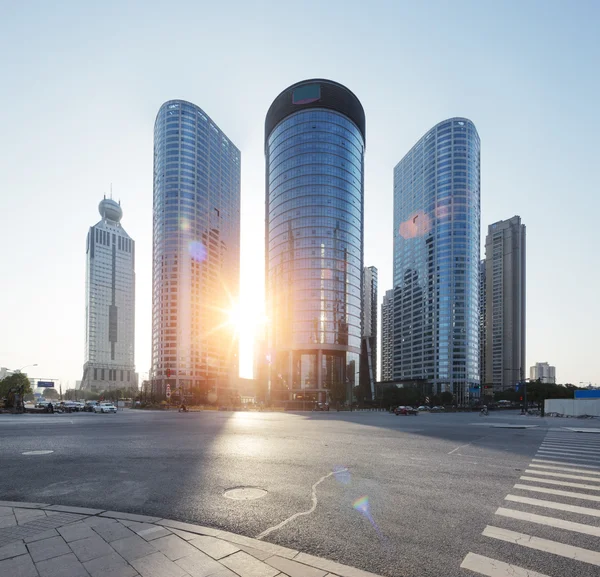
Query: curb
[293, 557]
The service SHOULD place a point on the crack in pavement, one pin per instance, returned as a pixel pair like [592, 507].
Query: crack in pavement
[296, 515]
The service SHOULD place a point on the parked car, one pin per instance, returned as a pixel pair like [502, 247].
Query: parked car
[422, 408]
[438, 408]
[89, 406]
[105, 408]
[73, 406]
[402, 410]
[321, 407]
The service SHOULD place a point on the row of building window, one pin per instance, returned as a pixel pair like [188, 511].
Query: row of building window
[112, 375]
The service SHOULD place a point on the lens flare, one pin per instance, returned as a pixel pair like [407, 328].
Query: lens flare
[342, 475]
[419, 224]
[362, 506]
[197, 250]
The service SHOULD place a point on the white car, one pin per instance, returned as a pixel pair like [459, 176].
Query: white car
[105, 408]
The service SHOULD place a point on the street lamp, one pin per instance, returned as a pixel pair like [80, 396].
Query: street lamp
[26, 367]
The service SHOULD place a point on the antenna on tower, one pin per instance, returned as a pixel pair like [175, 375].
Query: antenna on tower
[111, 191]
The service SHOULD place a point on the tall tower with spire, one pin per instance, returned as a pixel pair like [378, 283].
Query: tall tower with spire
[109, 303]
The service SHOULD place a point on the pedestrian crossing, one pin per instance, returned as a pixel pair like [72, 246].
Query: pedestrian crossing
[557, 496]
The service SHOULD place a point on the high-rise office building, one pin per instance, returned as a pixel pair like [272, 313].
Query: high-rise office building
[436, 260]
[196, 252]
[505, 303]
[544, 372]
[314, 148]
[482, 325]
[387, 336]
[109, 303]
[369, 332]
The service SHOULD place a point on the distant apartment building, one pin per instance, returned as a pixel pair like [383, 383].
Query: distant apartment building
[505, 333]
[387, 336]
[109, 303]
[369, 331]
[544, 372]
[482, 326]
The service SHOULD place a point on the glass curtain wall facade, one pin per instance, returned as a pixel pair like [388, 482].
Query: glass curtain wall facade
[196, 252]
[436, 260]
[314, 147]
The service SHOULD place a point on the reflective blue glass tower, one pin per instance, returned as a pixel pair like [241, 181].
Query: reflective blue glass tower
[436, 260]
[196, 252]
[314, 147]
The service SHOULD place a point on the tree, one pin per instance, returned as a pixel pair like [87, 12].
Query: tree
[50, 394]
[446, 398]
[17, 383]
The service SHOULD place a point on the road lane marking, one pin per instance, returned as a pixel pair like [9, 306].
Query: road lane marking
[553, 505]
[574, 448]
[558, 454]
[565, 462]
[554, 547]
[301, 514]
[494, 568]
[561, 483]
[590, 452]
[571, 494]
[562, 475]
[574, 441]
[588, 472]
[549, 521]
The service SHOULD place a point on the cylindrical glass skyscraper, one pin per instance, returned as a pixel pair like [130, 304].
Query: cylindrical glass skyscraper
[436, 260]
[196, 252]
[314, 147]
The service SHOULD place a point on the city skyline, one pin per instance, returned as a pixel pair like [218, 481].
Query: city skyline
[96, 127]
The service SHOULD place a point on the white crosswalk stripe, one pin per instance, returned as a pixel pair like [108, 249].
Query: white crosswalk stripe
[561, 475]
[494, 568]
[560, 483]
[573, 450]
[553, 505]
[548, 491]
[574, 443]
[553, 468]
[550, 521]
[576, 553]
[565, 460]
[541, 453]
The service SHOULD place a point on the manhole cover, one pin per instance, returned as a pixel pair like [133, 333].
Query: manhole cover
[37, 452]
[244, 493]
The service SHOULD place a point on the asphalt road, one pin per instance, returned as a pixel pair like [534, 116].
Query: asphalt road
[405, 496]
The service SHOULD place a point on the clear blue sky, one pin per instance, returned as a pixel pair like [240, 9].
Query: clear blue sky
[82, 83]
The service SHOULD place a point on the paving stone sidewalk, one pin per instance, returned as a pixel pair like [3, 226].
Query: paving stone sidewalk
[44, 540]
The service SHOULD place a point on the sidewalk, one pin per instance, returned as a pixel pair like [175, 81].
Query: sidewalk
[43, 540]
